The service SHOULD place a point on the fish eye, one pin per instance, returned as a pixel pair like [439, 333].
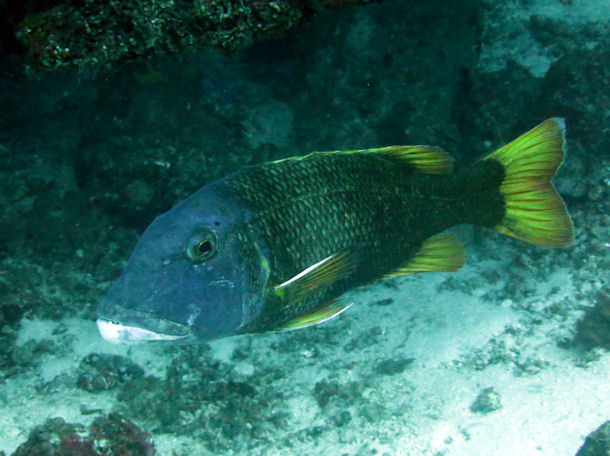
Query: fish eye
[202, 246]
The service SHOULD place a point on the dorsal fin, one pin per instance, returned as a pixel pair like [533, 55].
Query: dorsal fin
[316, 277]
[442, 253]
[424, 159]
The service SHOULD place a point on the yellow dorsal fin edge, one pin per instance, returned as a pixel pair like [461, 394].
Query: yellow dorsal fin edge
[425, 159]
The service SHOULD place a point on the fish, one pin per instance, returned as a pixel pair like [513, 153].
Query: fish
[274, 246]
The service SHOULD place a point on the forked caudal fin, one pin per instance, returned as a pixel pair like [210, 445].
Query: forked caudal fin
[535, 212]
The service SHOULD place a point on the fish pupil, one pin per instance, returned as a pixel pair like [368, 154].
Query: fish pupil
[204, 247]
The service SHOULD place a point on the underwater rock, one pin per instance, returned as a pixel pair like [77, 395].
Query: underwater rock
[383, 302]
[108, 436]
[487, 401]
[269, 123]
[9, 313]
[103, 33]
[366, 339]
[58, 438]
[100, 372]
[24, 354]
[393, 366]
[61, 382]
[597, 443]
[118, 436]
[569, 181]
[593, 330]
[7, 342]
[341, 419]
[61, 328]
[373, 412]
[206, 399]
[341, 394]
[324, 391]
[578, 87]
[140, 193]
[27, 353]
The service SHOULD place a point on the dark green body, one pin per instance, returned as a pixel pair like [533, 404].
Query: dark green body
[379, 208]
[272, 247]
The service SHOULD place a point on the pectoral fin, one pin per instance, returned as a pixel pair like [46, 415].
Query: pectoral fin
[314, 318]
[315, 278]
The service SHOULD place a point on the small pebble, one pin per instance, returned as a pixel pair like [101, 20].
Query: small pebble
[487, 401]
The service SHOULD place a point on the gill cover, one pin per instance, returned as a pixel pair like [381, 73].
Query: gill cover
[197, 272]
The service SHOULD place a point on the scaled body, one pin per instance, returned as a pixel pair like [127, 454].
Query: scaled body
[275, 245]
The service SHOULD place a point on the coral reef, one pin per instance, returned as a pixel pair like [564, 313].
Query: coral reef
[104, 33]
[100, 372]
[107, 436]
[208, 400]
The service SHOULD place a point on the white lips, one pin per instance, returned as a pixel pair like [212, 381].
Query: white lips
[117, 333]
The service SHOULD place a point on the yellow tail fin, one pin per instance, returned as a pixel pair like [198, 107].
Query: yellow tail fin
[535, 212]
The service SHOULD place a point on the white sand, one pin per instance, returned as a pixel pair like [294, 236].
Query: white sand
[547, 409]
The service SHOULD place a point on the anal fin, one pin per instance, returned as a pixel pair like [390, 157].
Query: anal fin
[316, 317]
[442, 253]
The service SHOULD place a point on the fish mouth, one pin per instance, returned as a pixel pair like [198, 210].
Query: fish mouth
[140, 327]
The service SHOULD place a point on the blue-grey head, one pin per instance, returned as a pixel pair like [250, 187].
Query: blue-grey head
[197, 272]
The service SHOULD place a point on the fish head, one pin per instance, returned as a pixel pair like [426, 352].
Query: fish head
[197, 273]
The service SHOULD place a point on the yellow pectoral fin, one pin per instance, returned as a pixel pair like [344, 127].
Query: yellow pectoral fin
[314, 318]
[315, 278]
[442, 253]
